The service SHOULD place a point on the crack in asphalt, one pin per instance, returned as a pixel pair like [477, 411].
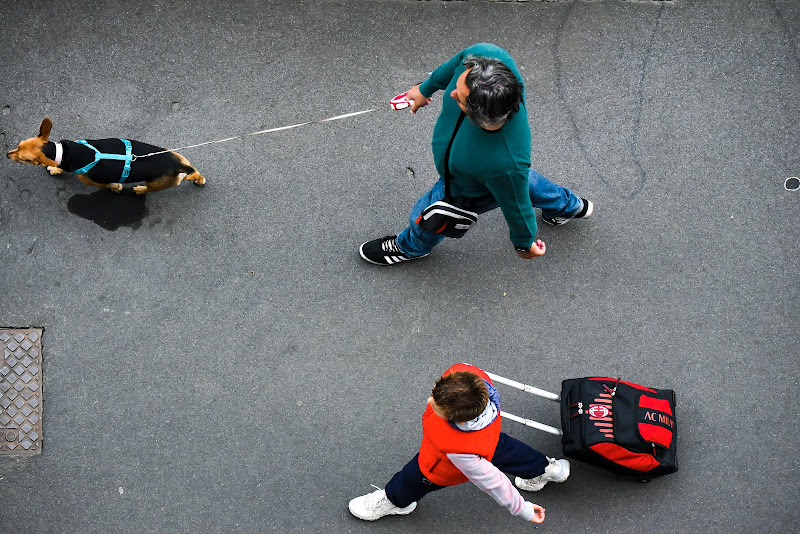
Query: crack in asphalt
[560, 90]
[632, 148]
[638, 121]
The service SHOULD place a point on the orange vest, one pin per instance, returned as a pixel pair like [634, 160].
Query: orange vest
[439, 438]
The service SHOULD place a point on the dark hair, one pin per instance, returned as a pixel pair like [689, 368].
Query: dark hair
[494, 91]
[460, 396]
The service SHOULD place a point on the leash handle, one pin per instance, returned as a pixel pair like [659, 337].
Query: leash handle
[400, 102]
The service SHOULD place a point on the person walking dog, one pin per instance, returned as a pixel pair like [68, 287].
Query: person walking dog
[461, 441]
[483, 161]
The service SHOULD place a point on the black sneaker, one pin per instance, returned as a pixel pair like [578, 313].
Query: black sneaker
[585, 212]
[384, 251]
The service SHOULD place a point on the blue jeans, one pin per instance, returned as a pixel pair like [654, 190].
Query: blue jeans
[511, 456]
[554, 201]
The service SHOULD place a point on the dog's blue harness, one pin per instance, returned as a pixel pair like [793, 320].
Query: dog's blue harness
[127, 158]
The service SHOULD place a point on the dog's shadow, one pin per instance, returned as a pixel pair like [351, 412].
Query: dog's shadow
[110, 210]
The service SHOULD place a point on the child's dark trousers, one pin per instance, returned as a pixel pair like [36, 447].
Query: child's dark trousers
[511, 456]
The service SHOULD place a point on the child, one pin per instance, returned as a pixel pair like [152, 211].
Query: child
[461, 440]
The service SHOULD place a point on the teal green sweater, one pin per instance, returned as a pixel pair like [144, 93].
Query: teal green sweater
[485, 163]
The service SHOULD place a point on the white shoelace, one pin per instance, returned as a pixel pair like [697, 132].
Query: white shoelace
[390, 245]
[375, 499]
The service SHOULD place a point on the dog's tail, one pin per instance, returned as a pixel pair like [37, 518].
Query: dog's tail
[190, 174]
[188, 169]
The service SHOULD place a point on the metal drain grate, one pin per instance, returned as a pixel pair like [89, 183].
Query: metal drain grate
[21, 391]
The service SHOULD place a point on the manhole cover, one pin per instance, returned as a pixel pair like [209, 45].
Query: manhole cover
[21, 391]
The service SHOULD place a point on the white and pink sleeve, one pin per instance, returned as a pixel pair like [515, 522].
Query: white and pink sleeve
[494, 482]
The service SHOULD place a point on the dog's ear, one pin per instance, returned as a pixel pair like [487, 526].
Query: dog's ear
[44, 129]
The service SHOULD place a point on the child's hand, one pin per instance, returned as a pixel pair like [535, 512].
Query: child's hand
[538, 512]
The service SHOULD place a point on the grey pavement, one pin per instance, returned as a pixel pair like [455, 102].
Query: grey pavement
[224, 361]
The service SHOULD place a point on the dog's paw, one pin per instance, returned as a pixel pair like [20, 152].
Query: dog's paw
[200, 182]
[140, 189]
[54, 171]
[115, 187]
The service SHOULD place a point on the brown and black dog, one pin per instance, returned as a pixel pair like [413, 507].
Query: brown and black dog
[160, 171]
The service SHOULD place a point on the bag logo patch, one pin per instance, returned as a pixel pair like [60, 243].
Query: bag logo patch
[601, 416]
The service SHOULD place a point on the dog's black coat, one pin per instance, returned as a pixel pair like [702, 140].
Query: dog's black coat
[106, 171]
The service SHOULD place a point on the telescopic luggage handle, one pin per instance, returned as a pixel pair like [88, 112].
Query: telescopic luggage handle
[524, 387]
[533, 424]
[534, 391]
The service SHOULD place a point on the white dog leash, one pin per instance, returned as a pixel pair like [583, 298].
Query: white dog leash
[260, 132]
[398, 102]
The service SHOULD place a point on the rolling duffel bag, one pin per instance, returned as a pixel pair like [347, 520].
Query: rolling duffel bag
[608, 422]
[622, 426]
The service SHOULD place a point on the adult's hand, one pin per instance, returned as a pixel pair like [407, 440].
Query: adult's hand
[417, 99]
[537, 249]
[538, 512]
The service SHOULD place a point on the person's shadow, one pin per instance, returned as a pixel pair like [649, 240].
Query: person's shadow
[110, 210]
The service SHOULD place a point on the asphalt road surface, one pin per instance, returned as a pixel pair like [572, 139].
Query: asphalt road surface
[220, 359]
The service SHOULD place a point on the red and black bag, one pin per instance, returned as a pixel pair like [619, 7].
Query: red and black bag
[618, 425]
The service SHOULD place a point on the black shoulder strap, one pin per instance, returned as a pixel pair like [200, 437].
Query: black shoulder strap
[447, 156]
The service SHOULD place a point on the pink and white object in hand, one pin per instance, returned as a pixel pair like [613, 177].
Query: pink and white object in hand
[400, 102]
